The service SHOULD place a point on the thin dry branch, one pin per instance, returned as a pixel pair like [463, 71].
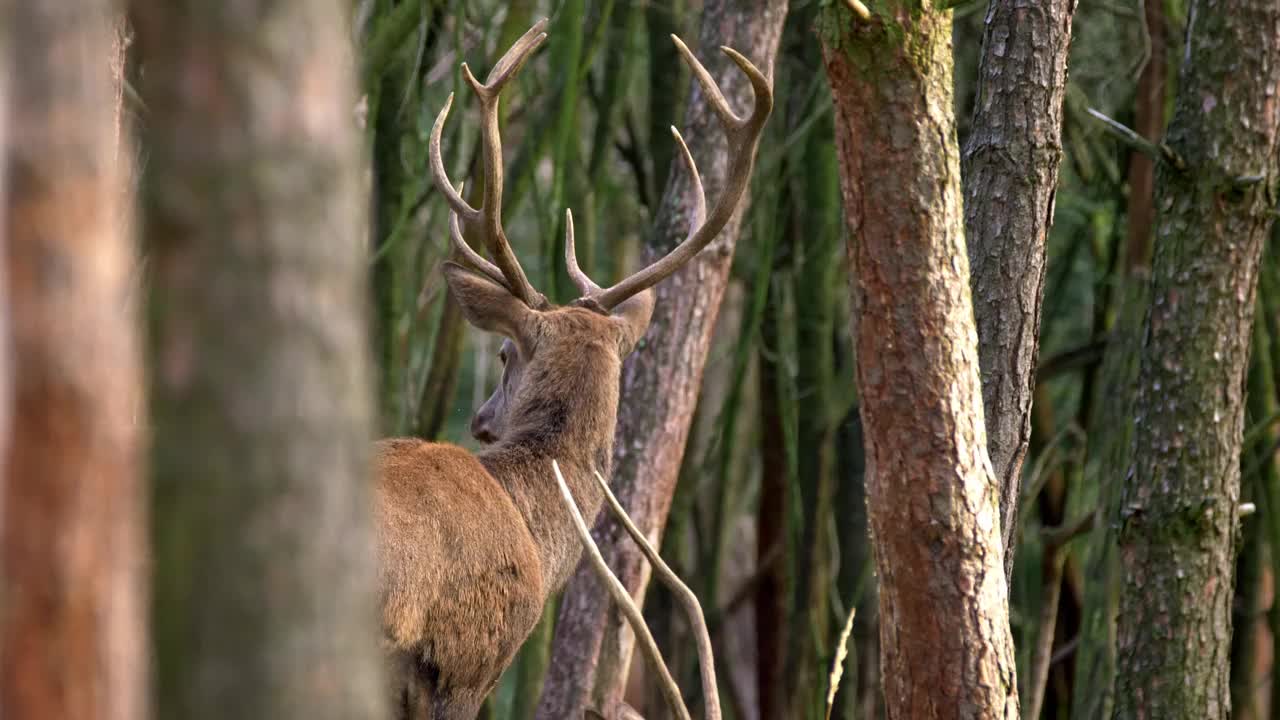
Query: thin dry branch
[692, 607]
[625, 603]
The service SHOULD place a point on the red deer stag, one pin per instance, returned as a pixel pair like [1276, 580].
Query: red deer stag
[471, 545]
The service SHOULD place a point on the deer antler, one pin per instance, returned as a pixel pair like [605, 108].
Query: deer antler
[698, 622]
[490, 213]
[743, 134]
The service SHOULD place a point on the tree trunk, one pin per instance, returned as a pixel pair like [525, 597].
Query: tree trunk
[72, 631]
[1010, 173]
[265, 567]
[1149, 108]
[1178, 520]
[1107, 457]
[660, 381]
[933, 501]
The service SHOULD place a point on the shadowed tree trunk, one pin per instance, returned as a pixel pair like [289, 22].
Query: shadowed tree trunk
[933, 501]
[72, 590]
[265, 569]
[1149, 108]
[660, 381]
[1178, 512]
[1108, 452]
[1010, 173]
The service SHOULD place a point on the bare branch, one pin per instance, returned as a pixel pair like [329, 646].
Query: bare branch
[625, 603]
[692, 607]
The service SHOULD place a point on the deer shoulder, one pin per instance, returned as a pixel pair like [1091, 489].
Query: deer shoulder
[461, 577]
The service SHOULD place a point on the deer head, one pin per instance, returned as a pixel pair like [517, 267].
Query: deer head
[548, 348]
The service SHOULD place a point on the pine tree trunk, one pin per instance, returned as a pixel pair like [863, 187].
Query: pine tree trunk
[1010, 173]
[72, 583]
[265, 567]
[1178, 512]
[660, 382]
[933, 501]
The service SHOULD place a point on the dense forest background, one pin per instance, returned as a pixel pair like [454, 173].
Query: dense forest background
[768, 514]
[763, 508]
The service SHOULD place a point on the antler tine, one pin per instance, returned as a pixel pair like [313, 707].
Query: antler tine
[438, 174]
[490, 212]
[460, 245]
[628, 606]
[511, 61]
[697, 620]
[585, 284]
[743, 134]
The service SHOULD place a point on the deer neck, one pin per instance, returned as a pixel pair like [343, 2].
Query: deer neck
[575, 428]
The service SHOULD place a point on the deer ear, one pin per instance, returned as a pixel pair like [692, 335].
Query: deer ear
[633, 317]
[488, 305]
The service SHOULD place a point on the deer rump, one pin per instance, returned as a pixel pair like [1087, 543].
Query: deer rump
[471, 545]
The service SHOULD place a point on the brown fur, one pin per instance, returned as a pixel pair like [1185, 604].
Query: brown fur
[470, 545]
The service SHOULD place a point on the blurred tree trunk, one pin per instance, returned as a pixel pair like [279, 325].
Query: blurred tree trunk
[771, 602]
[932, 498]
[265, 573]
[1110, 425]
[592, 647]
[1178, 511]
[860, 689]
[1010, 172]
[815, 230]
[72, 632]
[1149, 123]
[1264, 401]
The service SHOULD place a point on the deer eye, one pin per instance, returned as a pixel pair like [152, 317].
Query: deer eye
[502, 355]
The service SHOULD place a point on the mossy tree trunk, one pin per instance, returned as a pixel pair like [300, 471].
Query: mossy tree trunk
[1179, 524]
[265, 602]
[932, 498]
[591, 652]
[72, 582]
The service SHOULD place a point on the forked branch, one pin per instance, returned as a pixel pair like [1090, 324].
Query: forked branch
[693, 608]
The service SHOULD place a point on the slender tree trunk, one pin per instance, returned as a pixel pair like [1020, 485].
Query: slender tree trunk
[1149, 123]
[72, 587]
[1107, 457]
[773, 635]
[592, 646]
[1010, 173]
[265, 570]
[1178, 520]
[817, 286]
[933, 501]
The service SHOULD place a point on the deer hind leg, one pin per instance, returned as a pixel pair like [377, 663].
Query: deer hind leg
[433, 697]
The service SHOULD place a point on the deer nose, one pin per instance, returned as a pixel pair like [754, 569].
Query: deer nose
[480, 429]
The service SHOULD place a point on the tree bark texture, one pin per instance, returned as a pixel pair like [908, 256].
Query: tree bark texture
[265, 566]
[1010, 168]
[1178, 513]
[72, 582]
[933, 501]
[660, 381]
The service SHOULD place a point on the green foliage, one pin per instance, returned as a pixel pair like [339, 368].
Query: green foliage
[586, 128]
